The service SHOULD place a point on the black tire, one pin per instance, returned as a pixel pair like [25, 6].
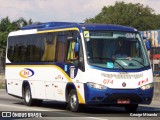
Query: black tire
[28, 97]
[38, 102]
[73, 103]
[131, 108]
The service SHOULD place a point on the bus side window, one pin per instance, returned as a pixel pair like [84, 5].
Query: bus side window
[71, 55]
[10, 52]
[59, 51]
[11, 45]
[31, 53]
[16, 55]
[61, 48]
[50, 48]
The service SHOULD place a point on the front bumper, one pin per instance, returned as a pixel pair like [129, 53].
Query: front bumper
[110, 96]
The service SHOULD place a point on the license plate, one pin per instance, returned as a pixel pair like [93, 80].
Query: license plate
[121, 101]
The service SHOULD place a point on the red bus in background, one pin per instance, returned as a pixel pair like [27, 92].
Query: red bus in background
[155, 60]
[155, 53]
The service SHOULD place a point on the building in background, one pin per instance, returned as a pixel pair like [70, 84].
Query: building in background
[154, 54]
[153, 36]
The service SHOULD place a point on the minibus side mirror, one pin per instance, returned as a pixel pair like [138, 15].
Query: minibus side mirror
[147, 43]
[76, 47]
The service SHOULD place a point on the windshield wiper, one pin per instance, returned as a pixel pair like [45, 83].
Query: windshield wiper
[113, 60]
[134, 60]
[138, 62]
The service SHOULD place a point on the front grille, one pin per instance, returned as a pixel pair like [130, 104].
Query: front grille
[114, 97]
[123, 76]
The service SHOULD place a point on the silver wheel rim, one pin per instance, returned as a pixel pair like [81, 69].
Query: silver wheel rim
[27, 96]
[73, 101]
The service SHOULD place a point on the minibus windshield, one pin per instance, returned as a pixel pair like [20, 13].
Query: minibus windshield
[115, 50]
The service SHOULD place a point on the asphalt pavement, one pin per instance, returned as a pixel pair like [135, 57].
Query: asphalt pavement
[13, 108]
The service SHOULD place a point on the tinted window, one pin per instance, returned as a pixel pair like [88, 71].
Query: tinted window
[61, 46]
[48, 47]
[32, 48]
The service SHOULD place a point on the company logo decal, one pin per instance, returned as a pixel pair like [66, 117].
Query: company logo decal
[143, 81]
[26, 73]
[124, 84]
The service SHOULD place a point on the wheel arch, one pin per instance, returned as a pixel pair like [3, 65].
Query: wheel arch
[69, 87]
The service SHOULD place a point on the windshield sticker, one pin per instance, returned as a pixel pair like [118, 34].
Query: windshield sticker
[130, 35]
[65, 67]
[86, 34]
[110, 65]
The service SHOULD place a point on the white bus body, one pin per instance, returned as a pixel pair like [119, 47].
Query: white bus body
[67, 62]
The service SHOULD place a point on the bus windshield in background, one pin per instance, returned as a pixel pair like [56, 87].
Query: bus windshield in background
[115, 50]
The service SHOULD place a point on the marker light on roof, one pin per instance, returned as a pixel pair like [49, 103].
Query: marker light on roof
[48, 25]
[135, 30]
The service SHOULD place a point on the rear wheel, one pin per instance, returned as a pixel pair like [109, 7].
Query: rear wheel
[28, 97]
[131, 107]
[73, 103]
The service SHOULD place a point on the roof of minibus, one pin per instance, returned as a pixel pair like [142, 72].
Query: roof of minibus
[107, 27]
[80, 26]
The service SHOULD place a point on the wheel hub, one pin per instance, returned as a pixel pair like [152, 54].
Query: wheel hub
[73, 101]
[27, 96]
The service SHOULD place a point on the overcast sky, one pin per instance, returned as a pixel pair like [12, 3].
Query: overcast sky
[61, 10]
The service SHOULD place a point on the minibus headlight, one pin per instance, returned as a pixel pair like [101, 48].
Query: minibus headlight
[146, 87]
[97, 86]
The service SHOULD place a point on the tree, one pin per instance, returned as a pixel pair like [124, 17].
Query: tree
[135, 15]
[6, 26]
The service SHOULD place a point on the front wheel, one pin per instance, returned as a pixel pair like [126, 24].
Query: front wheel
[131, 107]
[73, 103]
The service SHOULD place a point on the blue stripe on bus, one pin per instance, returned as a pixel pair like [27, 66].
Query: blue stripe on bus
[120, 70]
